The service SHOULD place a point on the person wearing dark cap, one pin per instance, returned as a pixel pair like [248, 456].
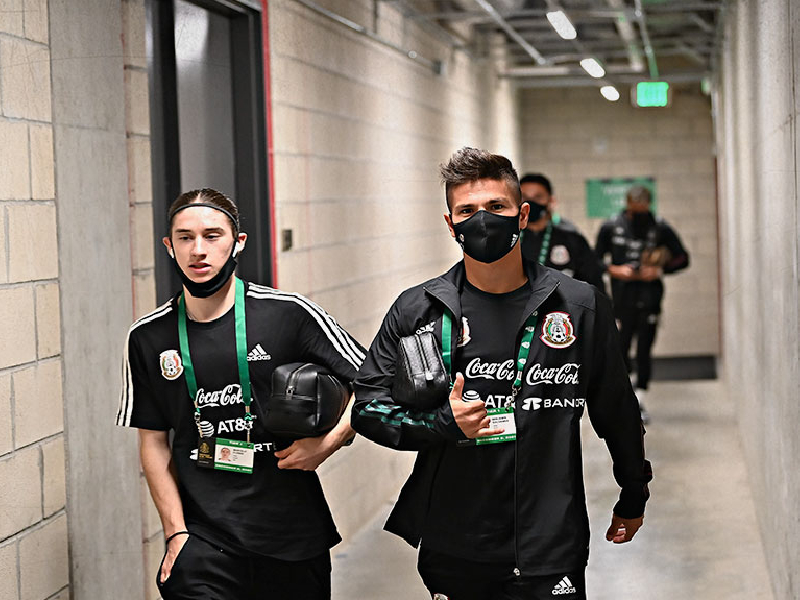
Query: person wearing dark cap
[243, 517]
[640, 249]
[551, 239]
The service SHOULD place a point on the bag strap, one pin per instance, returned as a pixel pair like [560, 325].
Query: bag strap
[447, 333]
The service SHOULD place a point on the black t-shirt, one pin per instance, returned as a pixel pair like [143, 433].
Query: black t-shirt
[278, 513]
[474, 518]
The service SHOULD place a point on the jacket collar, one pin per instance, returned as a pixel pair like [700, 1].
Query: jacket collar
[447, 287]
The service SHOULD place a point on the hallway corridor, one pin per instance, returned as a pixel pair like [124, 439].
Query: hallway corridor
[700, 540]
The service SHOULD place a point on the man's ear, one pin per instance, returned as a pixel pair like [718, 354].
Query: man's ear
[168, 244]
[449, 221]
[241, 240]
[524, 212]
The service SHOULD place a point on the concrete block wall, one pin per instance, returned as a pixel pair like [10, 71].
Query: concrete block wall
[359, 132]
[140, 199]
[757, 110]
[100, 124]
[34, 561]
[574, 134]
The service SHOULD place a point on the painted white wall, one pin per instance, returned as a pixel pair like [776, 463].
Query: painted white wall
[758, 142]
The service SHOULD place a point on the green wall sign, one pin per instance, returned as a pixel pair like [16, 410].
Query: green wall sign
[606, 197]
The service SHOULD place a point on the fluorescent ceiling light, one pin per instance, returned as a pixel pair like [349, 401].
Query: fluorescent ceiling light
[561, 24]
[592, 67]
[610, 93]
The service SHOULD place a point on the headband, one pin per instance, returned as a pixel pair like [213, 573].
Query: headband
[234, 220]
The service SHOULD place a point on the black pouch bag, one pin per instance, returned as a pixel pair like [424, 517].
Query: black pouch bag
[307, 400]
[421, 381]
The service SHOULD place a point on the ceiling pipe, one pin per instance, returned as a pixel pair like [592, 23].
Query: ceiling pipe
[433, 65]
[434, 28]
[600, 14]
[648, 48]
[691, 53]
[583, 81]
[701, 23]
[628, 35]
[550, 71]
[511, 32]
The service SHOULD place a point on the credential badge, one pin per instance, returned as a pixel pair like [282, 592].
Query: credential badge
[557, 330]
[171, 365]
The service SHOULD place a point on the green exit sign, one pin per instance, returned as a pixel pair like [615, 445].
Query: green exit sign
[651, 93]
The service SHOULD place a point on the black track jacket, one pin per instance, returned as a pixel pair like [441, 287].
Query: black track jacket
[569, 252]
[616, 237]
[552, 526]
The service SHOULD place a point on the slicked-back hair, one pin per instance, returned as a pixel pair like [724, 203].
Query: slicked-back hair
[638, 193]
[470, 164]
[537, 178]
[206, 196]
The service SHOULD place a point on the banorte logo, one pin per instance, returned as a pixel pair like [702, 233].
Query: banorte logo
[565, 374]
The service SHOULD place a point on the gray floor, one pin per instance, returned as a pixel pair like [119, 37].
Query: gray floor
[699, 541]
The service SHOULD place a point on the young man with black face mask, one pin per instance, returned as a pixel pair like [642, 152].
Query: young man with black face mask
[496, 498]
[243, 513]
[552, 240]
[642, 248]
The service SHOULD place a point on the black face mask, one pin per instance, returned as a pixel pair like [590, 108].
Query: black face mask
[213, 285]
[487, 237]
[537, 212]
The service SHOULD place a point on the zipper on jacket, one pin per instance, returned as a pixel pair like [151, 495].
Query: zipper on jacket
[517, 572]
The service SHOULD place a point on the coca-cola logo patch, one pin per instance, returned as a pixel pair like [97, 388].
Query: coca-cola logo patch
[566, 374]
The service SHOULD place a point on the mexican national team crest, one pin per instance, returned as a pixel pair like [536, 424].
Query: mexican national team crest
[171, 365]
[557, 330]
[559, 255]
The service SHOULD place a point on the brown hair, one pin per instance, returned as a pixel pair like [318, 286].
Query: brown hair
[470, 164]
[206, 196]
[638, 193]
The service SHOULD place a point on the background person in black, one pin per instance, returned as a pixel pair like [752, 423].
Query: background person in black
[642, 248]
[550, 237]
[231, 535]
[502, 517]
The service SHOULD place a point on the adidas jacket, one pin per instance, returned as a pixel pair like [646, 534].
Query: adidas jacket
[552, 527]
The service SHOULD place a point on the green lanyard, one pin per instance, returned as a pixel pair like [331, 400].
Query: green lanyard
[241, 356]
[545, 243]
[522, 357]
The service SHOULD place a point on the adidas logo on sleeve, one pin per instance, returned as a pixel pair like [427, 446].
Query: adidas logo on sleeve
[564, 587]
[258, 353]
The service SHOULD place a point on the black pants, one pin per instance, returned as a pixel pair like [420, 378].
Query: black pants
[643, 324]
[205, 572]
[452, 578]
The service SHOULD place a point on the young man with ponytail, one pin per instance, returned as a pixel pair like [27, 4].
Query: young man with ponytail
[244, 516]
[496, 499]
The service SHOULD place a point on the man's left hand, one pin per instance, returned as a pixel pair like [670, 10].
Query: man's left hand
[649, 273]
[307, 454]
[623, 530]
